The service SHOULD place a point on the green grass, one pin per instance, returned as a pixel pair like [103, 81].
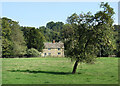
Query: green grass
[58, 71]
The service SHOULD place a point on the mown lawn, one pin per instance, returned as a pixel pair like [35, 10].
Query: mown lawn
[58, 71]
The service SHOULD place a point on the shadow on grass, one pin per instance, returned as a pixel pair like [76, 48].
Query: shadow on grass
[48, 72]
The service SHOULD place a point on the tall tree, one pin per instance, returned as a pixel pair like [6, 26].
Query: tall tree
[53, 30]
[6, 42]
[89, 32]
[18, 42]
[13, 43]
[33, 37]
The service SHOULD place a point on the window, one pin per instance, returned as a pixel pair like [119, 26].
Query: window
[45, 54]
[58, 48]
[59, 53]
[49, 53]
[49, 48]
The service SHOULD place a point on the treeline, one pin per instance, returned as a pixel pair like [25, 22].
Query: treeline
[13, 43]
[117, 38]
[19, 41]
[52, 31]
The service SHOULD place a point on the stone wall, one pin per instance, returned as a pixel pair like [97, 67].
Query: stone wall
[53, 52]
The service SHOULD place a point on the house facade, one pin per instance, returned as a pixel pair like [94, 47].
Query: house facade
[53, 49]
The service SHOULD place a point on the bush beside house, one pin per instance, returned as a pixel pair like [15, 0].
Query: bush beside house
[33, 53]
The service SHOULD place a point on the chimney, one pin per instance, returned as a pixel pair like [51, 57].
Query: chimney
[53, 41]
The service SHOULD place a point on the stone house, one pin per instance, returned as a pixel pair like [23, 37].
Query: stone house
[53, 49]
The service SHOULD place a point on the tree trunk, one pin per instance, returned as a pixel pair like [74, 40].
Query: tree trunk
[75, 67]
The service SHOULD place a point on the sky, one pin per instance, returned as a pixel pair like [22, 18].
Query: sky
[36, 14]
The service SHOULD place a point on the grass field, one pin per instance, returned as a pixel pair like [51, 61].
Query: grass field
[58, 71]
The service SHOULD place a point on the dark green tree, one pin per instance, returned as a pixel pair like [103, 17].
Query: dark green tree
[117, 38]
[34, 38]
[46, 32]
[6, 47]
[66, 35]
[53, 30]
[50, 25]
[13, 43]
[6, 43]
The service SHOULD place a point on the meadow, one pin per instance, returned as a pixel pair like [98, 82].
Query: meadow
[58, 71]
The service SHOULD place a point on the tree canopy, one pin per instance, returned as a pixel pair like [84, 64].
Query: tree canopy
[52, 31]
[13, 43]
[33, 37]
[87, 34]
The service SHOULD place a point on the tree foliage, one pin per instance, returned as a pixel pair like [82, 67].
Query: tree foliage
[117, 38]
[18, 42]
[33, 53]
[87, 33]
[33, 37]
[13, 43]
[52, 31]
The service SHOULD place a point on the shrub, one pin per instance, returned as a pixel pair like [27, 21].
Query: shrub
[118, 54]
[33, 53]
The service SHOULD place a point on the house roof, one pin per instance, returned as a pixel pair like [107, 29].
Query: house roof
[54, 45]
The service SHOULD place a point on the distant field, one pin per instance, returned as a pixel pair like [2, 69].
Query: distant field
[58, 71]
